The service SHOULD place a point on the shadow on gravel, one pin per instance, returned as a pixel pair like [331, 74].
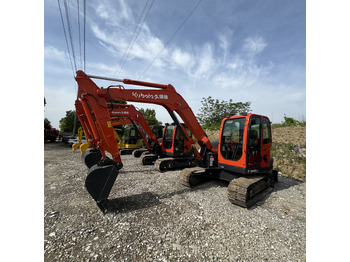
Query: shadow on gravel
[282, 184]
[285, 183]
[149, 199]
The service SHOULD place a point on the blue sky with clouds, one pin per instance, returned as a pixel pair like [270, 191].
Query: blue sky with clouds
[241, 50]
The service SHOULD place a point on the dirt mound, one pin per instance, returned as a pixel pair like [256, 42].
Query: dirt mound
[289, 151]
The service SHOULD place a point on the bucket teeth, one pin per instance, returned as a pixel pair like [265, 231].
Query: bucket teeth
[99, 182]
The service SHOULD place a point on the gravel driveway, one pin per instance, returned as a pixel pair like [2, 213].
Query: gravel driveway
[153, 218]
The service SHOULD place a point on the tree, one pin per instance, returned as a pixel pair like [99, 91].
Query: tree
[67, 123]
[47, 123]
[150, 116]
[213, 111]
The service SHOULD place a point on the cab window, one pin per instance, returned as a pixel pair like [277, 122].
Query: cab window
[232, 139]
[168, 136]
[266, 131]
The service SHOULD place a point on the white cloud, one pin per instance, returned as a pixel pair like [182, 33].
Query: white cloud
[102, 11]
[224, 42]
[214, 63]
[254, 45]
[118, 44]
[147, 46]
[53, 53]
[206, 62]
[183, 59]
[114, 12]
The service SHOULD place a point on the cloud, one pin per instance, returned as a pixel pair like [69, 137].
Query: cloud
[114, 12]
[254, 45]
[200, 63]
[52, 53]
[213, 61]
[147, 46]
[183, 59]
[206, 62]
[123, 44]
[224, 42]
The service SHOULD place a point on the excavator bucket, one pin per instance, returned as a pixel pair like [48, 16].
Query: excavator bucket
[99, 182]
[91, 157]
[84, 147]
[75, 146]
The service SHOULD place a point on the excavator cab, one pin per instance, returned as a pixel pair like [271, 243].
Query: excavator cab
[245, 143]
[132, 137]
[175, 151]
[174, 143]
[158, 130]
[132, 140]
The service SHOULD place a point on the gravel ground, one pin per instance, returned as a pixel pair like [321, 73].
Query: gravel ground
[153, 218]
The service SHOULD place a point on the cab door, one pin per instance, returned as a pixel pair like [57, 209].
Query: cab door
[167, 141]
[266, 142]
[254, 142]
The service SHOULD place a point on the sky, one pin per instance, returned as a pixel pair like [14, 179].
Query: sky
[241, 50]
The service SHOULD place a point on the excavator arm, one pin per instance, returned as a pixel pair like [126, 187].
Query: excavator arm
[135, 117]
[164, 95]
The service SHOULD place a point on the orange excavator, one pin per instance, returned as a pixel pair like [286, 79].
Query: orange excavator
[175, 151]
[122, 114]
[242, 155]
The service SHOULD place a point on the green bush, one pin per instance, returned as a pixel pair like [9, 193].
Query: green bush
[289, 121]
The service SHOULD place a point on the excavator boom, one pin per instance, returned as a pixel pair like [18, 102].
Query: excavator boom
[164, 95]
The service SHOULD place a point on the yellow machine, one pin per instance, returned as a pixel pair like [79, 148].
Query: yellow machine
[80, 138]
[82, 146]
[130, 143]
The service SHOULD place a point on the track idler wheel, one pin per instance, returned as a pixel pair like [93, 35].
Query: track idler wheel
[100, 180]
[91, 157]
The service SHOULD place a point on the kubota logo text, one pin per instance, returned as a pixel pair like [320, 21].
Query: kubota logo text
[149, 96]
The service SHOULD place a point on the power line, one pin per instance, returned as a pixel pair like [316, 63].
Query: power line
[84, 31]
[71, 41]
[70, 33]
[133, 40]
[171, 38]
[65, 36]
[81, 63]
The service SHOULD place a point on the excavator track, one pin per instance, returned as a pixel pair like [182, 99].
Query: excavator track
[192, 176]
[170, 163]
[138, 152]
[126, 151]
[148, 159]
[245, 191]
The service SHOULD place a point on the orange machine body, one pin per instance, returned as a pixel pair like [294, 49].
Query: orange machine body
[245, 144]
